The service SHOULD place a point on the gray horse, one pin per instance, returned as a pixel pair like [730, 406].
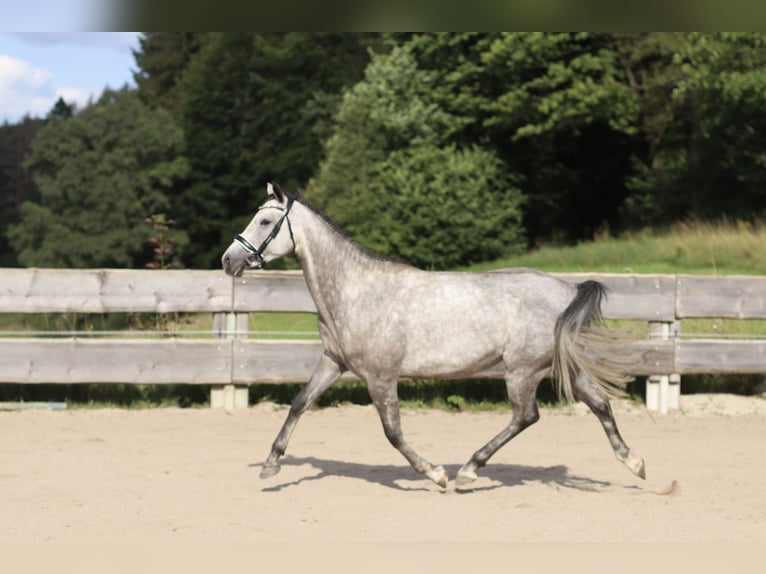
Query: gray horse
[385, 320]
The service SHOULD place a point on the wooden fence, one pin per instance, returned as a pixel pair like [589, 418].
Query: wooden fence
[229, 360]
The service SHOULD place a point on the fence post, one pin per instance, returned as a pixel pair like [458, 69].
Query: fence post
[229, 396]
[663, 391]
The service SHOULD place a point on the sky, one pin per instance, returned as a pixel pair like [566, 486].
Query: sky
[36, 68]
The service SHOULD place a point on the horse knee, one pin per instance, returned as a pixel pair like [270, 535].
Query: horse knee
[530, 417]
[525, 414]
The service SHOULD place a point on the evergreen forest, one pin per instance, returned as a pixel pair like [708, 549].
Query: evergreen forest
[442, 149]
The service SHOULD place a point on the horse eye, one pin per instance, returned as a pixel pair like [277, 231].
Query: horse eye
[266, 222]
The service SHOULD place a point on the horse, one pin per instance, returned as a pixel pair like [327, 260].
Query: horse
[385, 320]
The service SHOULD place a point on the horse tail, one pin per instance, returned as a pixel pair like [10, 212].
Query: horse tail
[583, 344]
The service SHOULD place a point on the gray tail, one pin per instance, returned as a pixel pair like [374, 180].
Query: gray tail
[583, 344]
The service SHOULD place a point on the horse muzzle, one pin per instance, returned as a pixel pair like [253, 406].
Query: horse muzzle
[235, 266]
[255, 262]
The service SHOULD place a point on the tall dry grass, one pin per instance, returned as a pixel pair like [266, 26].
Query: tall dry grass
[693, 247]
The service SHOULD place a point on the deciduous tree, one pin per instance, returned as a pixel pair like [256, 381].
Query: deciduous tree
[393, 179]
[99, 174]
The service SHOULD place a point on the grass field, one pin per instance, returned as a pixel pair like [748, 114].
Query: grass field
[695, 248]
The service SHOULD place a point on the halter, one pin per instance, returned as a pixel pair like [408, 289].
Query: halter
[257, 252]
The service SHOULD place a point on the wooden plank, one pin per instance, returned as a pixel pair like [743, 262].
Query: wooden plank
[657, 357]
[272, 361]
[263, 361]
[714, 356]
[150, 361]
[194, 361]
[630, 296]
[272, 291]
[113, 290]
[737, 297]
[644, 297]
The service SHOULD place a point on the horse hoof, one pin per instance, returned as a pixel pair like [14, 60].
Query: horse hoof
[438, 475]
[465, 477]
[635, 464]
[270, 470]
[638, 468]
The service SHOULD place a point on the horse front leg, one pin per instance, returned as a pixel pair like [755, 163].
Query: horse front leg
[385, 397]
[326, 373]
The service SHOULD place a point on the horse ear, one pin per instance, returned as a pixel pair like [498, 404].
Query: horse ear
[275, 191]
[300, 194]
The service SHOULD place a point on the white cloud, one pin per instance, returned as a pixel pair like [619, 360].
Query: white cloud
[77, 96]
[14, 71]
[25, 89]
[37, 68]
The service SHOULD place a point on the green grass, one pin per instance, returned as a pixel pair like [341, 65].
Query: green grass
[108, 395]
[724, 328]
[696, 248]
[261, 325]
[297, 325]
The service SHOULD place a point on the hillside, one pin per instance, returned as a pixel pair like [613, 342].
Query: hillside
[725, 248]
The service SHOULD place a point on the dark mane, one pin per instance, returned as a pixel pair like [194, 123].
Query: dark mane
[334, 226]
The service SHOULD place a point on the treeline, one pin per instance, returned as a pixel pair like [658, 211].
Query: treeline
[442, 149]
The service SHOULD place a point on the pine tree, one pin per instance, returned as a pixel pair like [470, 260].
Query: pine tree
[254, 110]
[163, 59]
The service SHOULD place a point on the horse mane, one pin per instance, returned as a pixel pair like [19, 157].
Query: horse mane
[345, 236]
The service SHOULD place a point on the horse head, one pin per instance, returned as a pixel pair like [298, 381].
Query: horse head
[265, 238]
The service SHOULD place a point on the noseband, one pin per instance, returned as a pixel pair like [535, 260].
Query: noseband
[257, 252]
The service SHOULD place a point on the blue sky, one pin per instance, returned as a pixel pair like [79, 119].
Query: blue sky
[38, 67]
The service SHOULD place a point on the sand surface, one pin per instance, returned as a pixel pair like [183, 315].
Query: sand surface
[192, 475]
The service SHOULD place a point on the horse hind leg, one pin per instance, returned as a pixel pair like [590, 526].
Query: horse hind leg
[385, 397]
[522, 393]
[598, 403]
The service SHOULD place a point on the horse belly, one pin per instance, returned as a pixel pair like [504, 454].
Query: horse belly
[451, 353]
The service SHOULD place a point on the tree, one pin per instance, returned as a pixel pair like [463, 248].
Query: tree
[16, 185]
[710, 160]
[61, 110]
[99, 174]
[251, 104]
[555, 108]
[163, 59]
[392, 179]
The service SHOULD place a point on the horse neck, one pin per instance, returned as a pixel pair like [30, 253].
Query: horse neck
[328, 260]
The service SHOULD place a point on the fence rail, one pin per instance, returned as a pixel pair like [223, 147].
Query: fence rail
[229, 360]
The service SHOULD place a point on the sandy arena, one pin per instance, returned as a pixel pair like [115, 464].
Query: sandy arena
[187, 475]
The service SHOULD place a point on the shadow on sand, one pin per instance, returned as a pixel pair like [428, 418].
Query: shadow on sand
[403, 477]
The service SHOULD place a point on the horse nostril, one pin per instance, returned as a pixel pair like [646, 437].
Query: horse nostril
[227, 261]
